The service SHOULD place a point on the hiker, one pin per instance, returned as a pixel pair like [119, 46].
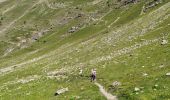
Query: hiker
[93, 75]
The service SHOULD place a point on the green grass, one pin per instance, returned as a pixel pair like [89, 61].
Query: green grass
[82, 48]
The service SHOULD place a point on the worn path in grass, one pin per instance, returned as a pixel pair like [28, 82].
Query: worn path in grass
[105, 93]
[2, 1]
[17, 19]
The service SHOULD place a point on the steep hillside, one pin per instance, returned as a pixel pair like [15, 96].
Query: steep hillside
[44, 44]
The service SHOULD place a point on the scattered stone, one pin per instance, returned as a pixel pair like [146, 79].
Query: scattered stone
[82, 88]
[61, 74]
[161, 66]
[145, 74]
[73, 29]
[142, 39]
[79, 15]
[156, 85]
[153, 64]
[28, 93]
[37, 34]
[23, 41]
[61, 91]
[77, 97]
[164, 42]
[136, 89]
[116, 83]
[164, 87]
[168, 74]
[28, 79]
[19, 38]
[114, 45]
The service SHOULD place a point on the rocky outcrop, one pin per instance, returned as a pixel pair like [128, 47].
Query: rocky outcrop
[151, 4]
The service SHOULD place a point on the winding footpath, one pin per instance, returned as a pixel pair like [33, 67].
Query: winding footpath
[105, 93]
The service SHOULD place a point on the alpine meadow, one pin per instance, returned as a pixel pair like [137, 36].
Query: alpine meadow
[84, 49]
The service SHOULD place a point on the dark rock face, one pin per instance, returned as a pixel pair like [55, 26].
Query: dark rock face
[129, 1]
[125, 2]
[151, 4]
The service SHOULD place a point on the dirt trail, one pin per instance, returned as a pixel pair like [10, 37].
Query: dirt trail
[8, 9]
[2, 1]
[105, 93]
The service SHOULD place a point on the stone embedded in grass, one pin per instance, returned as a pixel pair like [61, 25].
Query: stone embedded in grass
[154, 89]
[137, 89]
[77, 97]
[28, 93]
[145, 74]
[61, 91]
[116, 83]
[142, 39]
[168, 74]
[82, 88]
[156, 79]
[164, 42]
[28, 79]
[73, 29]
[161, 66]
[59, 74]
[156, 85]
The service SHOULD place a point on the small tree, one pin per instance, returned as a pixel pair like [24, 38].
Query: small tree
[25, 22]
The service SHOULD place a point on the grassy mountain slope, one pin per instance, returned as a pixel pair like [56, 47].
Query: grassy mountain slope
[45, 42]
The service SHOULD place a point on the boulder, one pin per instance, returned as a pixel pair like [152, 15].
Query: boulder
[61, 91]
